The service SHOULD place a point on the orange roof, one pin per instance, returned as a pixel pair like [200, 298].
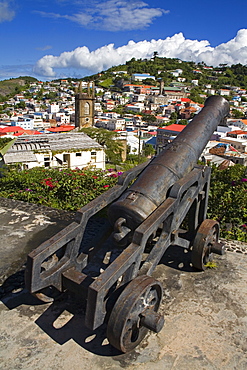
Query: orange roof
[11, 129]
[27, 132]
[60, 128]
[174, 127]
[143, 86]
[244, 121]
[237, 132]
[32, 132]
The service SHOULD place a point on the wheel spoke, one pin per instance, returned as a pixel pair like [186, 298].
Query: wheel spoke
[206, 236]
[125, 330]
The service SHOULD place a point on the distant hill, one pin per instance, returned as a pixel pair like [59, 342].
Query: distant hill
[15, 85]
[161, 68]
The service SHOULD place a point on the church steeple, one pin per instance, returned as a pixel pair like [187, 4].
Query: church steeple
[84, 106]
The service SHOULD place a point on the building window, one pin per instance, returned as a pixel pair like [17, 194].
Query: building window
[93, 156]
[47, 161]
[78, 154]
[87, 108]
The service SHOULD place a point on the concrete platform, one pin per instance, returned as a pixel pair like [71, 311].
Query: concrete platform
[205, 312]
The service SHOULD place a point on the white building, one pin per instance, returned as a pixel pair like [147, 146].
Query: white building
[141, 76]
[116, 124]
[53, 108]
[62, 118]
[177, 72]
[23, 122]
[71, 150]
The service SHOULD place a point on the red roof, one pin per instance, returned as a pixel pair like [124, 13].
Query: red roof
[173, 127]
[185, 100]
[61, 128]
[237, 132]
[142, 86]
[27, 132]
[14, 129]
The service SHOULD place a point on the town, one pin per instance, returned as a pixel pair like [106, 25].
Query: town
[46, 118]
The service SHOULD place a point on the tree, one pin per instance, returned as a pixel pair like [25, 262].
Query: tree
[183, 122]
[149, 118]
[228, 201]
[21, 105]
[109, 140]
[148, 150]
[173, 116]
[237, 114]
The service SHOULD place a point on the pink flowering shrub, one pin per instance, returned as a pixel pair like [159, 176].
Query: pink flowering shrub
[63, 189]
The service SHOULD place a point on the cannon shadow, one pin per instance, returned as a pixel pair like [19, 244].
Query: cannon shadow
[64, 319]
[178, 258]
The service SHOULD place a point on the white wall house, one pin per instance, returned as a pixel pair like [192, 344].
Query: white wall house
[141, 76]
[71, 150]
[53, 108]
[116, 124]
[62, 118]
[23, 122]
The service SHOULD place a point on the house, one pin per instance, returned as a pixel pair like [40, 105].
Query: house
[141, 76]
[25, 122]
[176, 73]
[166, 134]
[11, 130]
[238, 134]
[224, 92]
[237, 143]
[70, 150]
[227, 151]
[136, 108]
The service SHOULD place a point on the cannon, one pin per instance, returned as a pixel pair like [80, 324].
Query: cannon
[159, 204]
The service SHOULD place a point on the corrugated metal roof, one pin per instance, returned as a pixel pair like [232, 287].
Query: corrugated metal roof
[23, 150]
[54, 142]
[19, 157]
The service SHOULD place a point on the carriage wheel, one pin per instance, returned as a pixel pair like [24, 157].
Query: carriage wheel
[206, 237]
[134, 312]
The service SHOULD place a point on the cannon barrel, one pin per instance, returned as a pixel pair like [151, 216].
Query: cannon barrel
[175, 161]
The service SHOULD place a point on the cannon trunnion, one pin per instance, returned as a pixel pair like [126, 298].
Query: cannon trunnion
[112, 271]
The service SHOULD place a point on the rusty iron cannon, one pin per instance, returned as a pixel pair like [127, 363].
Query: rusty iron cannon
[111, 270]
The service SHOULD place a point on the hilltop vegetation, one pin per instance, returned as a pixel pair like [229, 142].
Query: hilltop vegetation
[235, 75]
[14, 86]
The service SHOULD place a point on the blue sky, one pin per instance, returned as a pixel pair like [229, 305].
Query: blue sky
[74, 38]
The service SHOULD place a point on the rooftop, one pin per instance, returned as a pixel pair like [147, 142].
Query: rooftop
[26, 146]
[173, 127]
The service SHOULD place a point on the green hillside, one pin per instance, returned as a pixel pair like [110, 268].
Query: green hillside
[14, 85]
[219, 77]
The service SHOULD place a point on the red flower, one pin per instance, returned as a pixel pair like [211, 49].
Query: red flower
[49, 183]
[94, 177]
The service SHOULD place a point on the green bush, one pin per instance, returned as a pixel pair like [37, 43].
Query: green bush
[72, 189]
[63, 189]
[228, 201]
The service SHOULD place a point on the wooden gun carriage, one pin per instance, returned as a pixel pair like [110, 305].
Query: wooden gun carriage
[113, 270]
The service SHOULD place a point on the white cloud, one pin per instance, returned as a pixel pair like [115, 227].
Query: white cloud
[43, 48]
[232, 52]
[6, 14]
[113, 15]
